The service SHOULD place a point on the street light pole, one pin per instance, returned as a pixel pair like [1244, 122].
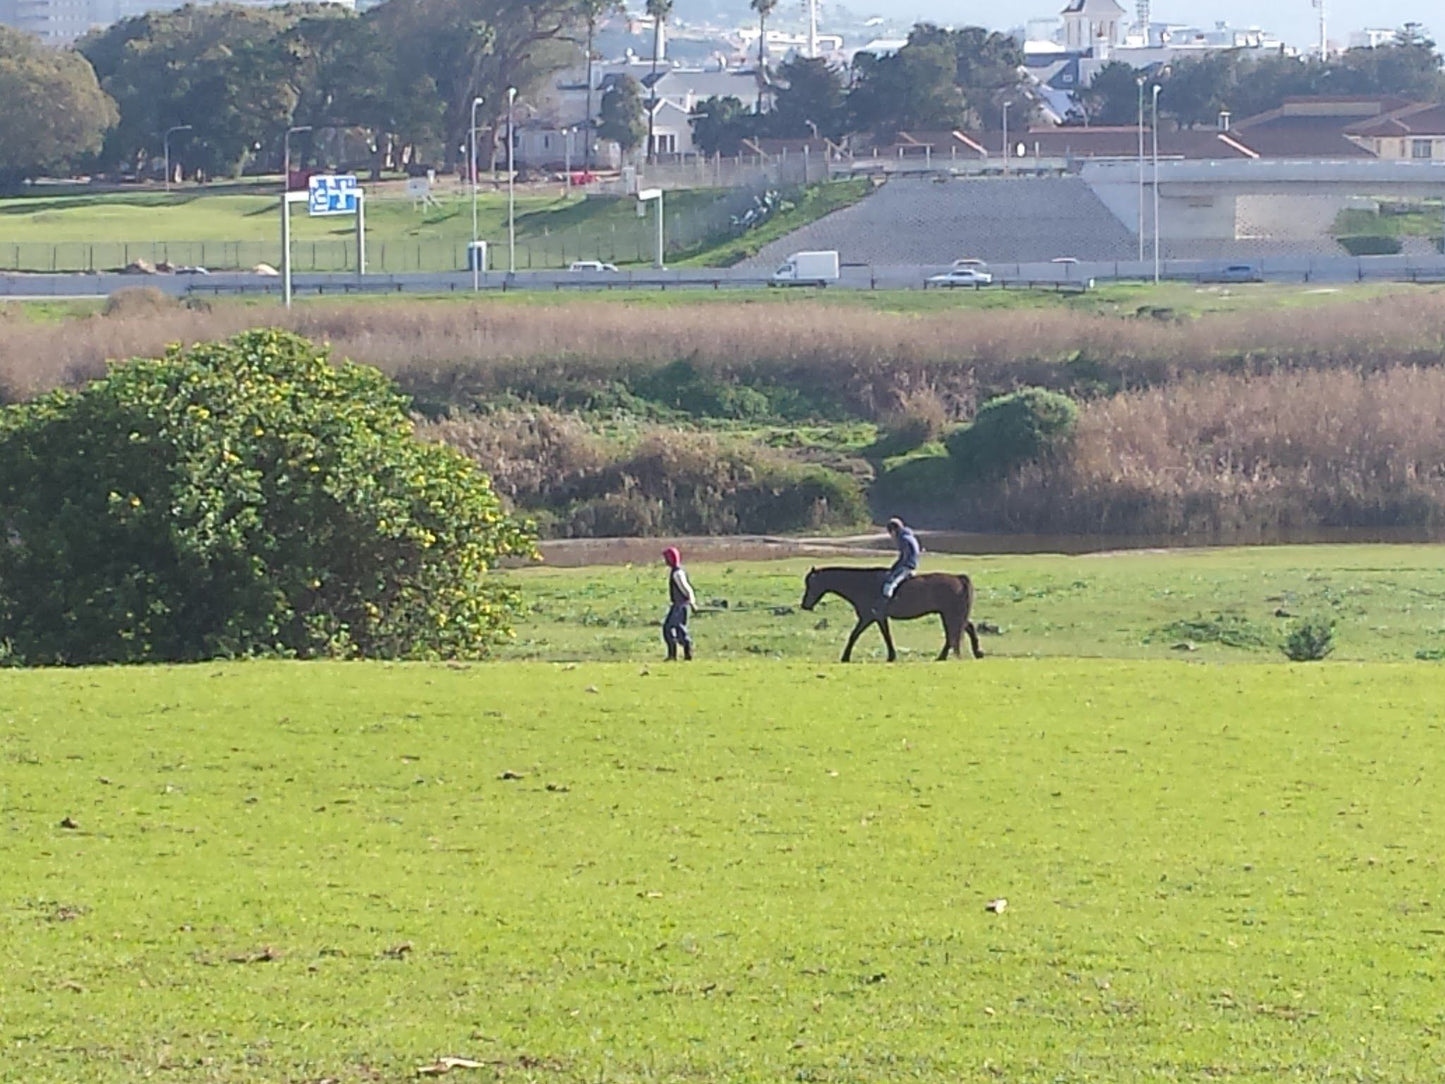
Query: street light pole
[1157, 89]
[166, 142]
[1139, 198]
[511, 185]
[1005, 138]
[472, 169]
[567, 157]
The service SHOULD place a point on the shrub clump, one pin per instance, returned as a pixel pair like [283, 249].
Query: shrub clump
[242, 497]
[578, 483]
[1309, 639]
[1012, 430]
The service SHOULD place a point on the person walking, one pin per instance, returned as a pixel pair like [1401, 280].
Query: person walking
[680, 601]
[906, 565]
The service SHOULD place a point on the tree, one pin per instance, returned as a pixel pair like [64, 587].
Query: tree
[346, 76]
[939, 79]
[219, 68]
[1113, 97]
[239, 498]
[912, 88]
[764, 8]
[478, 48]
[719, 125]
[810, 100]
[1196, 89]
[621, 114]
[55, 112]
[659, 10]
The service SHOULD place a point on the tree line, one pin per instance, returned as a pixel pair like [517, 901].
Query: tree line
[229, 81]
[960, 79]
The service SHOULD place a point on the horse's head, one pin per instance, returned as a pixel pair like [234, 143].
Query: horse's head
[812, 589]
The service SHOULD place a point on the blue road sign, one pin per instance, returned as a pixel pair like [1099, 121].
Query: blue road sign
[332, 195]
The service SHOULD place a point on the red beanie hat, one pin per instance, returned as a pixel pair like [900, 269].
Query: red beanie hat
[672, 557]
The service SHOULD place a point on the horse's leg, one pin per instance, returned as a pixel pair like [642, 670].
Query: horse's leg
[950, 637]
[972, 638]
[887, 639]
[863, 623]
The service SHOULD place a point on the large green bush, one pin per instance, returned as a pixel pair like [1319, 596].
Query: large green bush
[237, 498]
[1011, 430]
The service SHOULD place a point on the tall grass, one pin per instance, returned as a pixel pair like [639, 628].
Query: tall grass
[465, 350]
[659, 481]
[1226, 453]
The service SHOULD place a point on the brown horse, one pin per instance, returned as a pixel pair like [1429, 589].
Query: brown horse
[942, 593]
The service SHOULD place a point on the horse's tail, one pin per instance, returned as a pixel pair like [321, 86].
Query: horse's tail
[966, 619]
[967, 582]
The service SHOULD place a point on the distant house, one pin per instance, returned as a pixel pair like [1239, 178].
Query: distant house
[673, 96]
[1415, 132]
[1314, 127]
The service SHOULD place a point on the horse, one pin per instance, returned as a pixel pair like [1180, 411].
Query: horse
[942, 593]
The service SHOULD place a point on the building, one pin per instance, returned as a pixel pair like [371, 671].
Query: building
[1315, 127]
[555, 131]
[1415, 132]
[1089, 24]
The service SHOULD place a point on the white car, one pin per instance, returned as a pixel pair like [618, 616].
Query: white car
[591, 265]
[977, 265]
[961, 276]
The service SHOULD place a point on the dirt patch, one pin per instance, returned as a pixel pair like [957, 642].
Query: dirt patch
[578, 552]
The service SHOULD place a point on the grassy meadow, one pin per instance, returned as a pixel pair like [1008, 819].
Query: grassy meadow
[743, 870]
[1217, 605]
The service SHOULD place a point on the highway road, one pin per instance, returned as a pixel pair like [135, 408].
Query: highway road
[1318, 269]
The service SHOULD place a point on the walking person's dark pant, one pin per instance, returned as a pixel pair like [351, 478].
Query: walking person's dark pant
[674, 632]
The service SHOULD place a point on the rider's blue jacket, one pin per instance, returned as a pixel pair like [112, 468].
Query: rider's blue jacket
[908, 550]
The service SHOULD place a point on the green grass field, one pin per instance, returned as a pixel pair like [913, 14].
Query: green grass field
[744, 871]
[1387, 602]
[241, 228]
[752, 868]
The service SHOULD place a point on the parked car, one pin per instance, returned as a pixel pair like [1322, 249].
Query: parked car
[591, 265]
[1235, 272]
[961, 276]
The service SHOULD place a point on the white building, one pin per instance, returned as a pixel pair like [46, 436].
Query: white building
[554, 131]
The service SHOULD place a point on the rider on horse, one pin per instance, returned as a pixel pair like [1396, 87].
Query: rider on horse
[906, 565]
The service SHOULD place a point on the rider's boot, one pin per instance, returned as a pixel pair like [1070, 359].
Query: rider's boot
[687, 652]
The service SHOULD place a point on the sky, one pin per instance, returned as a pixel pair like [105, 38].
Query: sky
[1294, 20]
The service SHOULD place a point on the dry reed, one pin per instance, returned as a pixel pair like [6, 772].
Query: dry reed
[1226, 453]
[867, 356]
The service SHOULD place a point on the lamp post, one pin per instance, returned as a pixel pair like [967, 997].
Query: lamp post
[1005, 138]
[166, 142]
[472, 169]
[1157, 89]
[511, 186]
[1140, 196]
[567, 156]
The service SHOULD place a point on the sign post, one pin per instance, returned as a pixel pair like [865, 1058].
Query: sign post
[327, 194]
[644, 196]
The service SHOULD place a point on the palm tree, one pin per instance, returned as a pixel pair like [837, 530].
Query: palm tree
[659, 10]
[764, 8]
